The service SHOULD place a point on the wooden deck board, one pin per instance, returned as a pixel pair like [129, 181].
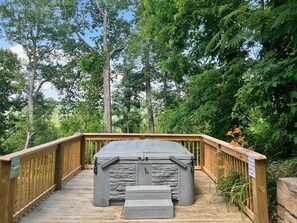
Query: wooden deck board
[73, 203]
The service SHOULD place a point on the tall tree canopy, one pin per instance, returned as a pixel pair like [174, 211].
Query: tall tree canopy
[35, 25]
[11, 100]
[177, 66]
[102, 28]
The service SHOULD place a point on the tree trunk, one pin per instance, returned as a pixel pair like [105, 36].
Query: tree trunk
[30, 96]
[106, 80]
[165, 91]
[30, 130]
[148, 92]
[150, 111]
[107, 100]
[262, 3]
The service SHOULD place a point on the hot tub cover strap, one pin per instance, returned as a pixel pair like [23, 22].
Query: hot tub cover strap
[178, 162]
[109, 162]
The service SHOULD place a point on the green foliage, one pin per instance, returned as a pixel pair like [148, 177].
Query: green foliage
[208, 103]
[46, 129]
[11, 100]
[269, 92]
[36, 26]
[85, 118]
[84, 18]
[83, 105]
[127, 101]
[92, 66]
[276, 170]
[234, 188]
[17, 138]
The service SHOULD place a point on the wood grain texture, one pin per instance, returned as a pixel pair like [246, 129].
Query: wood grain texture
[73, 203]
[7, 195]
[259, 191]
[41, 148]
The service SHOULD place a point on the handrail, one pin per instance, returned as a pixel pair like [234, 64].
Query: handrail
[35, 149]
[220, 158]
[45, 167]
[233, 149]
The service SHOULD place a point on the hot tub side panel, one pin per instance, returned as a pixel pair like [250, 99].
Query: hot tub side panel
[111, 182]
[166, 174]
[121, 176]
[186, 193]
[101, 192]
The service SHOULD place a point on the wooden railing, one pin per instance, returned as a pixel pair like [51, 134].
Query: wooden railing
[94, 142]
[220, 158]
[44, 168]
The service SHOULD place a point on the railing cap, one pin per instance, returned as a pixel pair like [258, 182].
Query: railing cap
[34, 149]
[244, 151]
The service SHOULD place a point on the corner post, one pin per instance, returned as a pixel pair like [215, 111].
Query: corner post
[82, 152]
[59, 166]
[202, 152]
[220, 171]
[7, 193]
[259, 189]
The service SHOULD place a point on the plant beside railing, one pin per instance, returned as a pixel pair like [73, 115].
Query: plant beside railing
[234, 188]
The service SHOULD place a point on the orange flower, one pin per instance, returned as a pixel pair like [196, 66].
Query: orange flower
[251, 148]
[229, 133]
[234, 143]
[237, 130]
[241, 139]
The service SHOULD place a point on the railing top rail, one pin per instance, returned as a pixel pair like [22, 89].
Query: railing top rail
[35, 149]
[203, 137]
[245, 152]
[143, 134]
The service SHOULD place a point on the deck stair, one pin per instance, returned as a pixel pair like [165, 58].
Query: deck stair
[148, 201]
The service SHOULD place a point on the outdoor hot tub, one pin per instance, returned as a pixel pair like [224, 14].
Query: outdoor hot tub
[142, 162]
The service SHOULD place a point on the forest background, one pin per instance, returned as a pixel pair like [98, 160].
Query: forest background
[177, 66]
[223, 68]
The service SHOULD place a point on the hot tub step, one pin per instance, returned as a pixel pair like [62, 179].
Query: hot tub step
[143, 192]
[148, 208]
[148, 201]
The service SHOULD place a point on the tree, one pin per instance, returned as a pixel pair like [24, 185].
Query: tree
[111, 30]
[127, 99]
[11, 100]
[45, 128]
[271, 84]
[34, 25]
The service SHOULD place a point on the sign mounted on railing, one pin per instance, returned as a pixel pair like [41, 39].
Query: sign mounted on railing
[15, 167]
[252, 166]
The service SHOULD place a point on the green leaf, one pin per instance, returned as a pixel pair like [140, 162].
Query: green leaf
[224, 8]
[294, 94]
[213, 43]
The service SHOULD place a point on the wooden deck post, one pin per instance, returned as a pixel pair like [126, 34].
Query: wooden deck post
[202, 154]
[260, 193]
[59, 166]
[82, 152]
[220, 170]
[7, 193]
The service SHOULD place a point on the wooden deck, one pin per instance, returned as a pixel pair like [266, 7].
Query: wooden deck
[73, 203]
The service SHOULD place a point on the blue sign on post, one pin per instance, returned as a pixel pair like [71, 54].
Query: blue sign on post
[15, 167]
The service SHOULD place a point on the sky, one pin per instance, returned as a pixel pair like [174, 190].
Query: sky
[4, 44]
